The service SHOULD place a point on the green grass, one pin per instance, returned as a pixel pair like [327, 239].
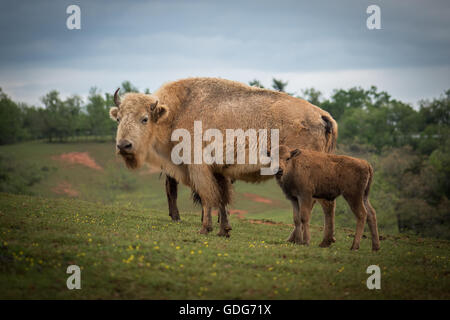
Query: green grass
[147, 190]
[118, 230]
[132, 253]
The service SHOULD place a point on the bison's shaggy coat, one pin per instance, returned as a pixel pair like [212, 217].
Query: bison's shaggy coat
[305, 175]
[219, 104]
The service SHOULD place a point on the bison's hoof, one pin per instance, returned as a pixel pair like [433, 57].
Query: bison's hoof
[354, 248]
[375, 248]
[175, 216]
[333, 239]
[326, 243]
[295, 238]
[223, 233]
[205, 230]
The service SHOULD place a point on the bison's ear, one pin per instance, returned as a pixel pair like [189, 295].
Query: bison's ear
[113, 113]
[159, 113]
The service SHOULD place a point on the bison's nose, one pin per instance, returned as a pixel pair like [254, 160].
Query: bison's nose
[124, 145]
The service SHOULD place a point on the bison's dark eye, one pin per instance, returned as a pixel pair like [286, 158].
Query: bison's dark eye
[118, 120]
[144, 120]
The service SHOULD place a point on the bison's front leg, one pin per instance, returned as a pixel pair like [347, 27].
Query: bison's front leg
[206, 220]
[172, 193]
[225, 227]
[204, 183]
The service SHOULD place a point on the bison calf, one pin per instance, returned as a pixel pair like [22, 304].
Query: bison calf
[305, 175]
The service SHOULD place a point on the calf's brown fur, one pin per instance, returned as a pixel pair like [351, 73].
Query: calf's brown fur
[305, 175]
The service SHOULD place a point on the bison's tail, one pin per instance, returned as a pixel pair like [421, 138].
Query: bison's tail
[331, 133]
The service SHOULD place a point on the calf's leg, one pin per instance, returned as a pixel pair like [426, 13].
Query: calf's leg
[296, 235]
[328, 210]
[306, 205]
[357, 206]
[372, 221]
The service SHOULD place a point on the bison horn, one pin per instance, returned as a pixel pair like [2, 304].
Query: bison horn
[117, 98]
[153, 106]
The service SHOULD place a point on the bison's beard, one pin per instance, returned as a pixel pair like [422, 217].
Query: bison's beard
[131, 160]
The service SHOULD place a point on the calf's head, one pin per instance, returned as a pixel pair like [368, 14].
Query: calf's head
[139, 116]
[285, 154]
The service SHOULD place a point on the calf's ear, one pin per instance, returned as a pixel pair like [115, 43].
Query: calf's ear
[113, 113]
[294, 153]
[283, 152]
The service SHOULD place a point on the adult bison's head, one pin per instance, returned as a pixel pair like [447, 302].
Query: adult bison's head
[138, 116]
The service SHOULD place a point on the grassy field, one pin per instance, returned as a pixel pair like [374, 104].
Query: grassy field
[114, 224]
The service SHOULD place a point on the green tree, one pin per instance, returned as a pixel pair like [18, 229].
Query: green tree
[256, 83]
[434, 123]
[312, 95]
[11, 120]
[33, 122]
[98, 113]
[128, 87]
[60, 117]
[279, 85]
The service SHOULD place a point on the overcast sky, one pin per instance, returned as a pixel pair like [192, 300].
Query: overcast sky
[323, 44]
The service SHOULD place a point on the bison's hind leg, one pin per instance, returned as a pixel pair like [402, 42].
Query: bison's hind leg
[225, 227]
[172, 193]
[226, 192]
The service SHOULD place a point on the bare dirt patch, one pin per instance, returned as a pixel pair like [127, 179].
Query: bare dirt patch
[235, 212]
[268, 222]
[256, 198]
[82, 158]
[238, 213]
[65, 188]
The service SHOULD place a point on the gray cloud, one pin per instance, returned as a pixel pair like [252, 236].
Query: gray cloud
[123, 39]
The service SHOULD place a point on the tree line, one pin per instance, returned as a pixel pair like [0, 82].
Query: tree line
[59, 120]
[369, 117]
